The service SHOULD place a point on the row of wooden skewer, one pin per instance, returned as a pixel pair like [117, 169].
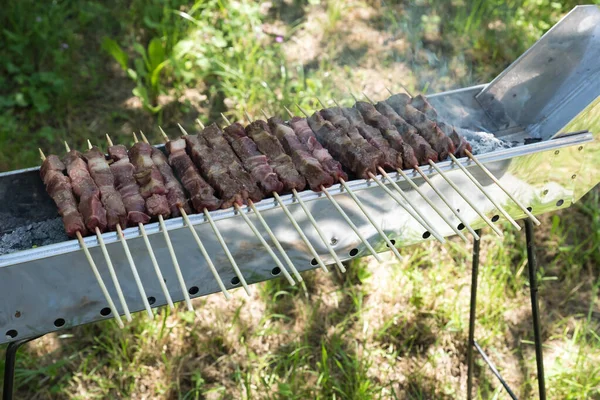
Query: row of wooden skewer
[403, 201]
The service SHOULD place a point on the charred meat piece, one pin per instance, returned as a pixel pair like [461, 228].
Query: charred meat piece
[393, 157]
[86, 192]
[428, 129]
[175, 194]
[420, 149]
[201, 193]
[150, 180]
[421, 103]
[307, 137]
[104, 179]
[304, 162]
[59, 188]
[215, 172]
[361, 133]
[278, 159]
[216, 141]
[253, 160]
[341, 147]
[125, 183]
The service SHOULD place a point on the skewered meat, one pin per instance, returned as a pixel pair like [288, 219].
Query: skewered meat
[125, 183]
[175, 194]
[215, 139]
[86, 191]
[253, 160]
[421, 103]
[307, 137]
[308, 166]
[59, 188]
[338, 117]
[104, 179]
[281, 162]
[342, 148]
[215, 171]
[201, 193]
[150, 180]
[428, 129]
[421, 150]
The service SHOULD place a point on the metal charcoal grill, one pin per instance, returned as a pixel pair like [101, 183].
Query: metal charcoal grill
[536, 127]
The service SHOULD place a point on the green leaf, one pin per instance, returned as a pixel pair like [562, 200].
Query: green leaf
[132, 74]
[113, 48]
[156, 73]
[156, 53]
[142, 51]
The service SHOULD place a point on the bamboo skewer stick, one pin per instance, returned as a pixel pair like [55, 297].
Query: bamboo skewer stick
[432, 205]
[362, 208]
[178, 273]
[294, 223]
[447, 202]
[219, 236]
[152, 257]
[466, 198]
[95, 271]
[372, 220]
[159, 275]
[416, 214]
[265, 244]
[497, 182]
[205, 254]
[111, 268]
[439, 193]
[314, 223]
[489, 197]
[276, 242]
[341, 210]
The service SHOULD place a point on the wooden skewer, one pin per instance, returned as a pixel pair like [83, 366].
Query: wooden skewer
[295, 225]
[342, 212]
[113, 274]
[405, 89]
[247, 116]
[157, 270]
[497, 182]
[432, 205]
[416, 214]
[438, 192]
[489, 197]
[314, 223]
[466, 198]
[159, 275]
[134, 270]
[276, 242]
[362, 208]
[320, 102]
[371, 219]
[205, 254]
[389, 91]
[171, 250]
[111, 269]
[265, 244]
[447, 202]
[95, 271]
[300, 232]
[218, 233]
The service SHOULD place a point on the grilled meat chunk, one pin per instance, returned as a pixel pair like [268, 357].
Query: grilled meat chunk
[59, 188]
[175, 194]
[86, 191]
[201, 193]
[304, 162]
[104, 179]
[278, 159]
[253, 160]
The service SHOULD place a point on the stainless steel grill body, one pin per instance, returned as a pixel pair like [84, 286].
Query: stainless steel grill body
[40, 285]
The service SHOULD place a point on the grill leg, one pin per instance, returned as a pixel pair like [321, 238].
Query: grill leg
[472, 310]
[533, 288]
[9, 367]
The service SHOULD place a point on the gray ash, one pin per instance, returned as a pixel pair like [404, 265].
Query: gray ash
[35, 234]
[483, 142]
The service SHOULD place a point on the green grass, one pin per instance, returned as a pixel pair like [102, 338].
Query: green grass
[395, 330]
